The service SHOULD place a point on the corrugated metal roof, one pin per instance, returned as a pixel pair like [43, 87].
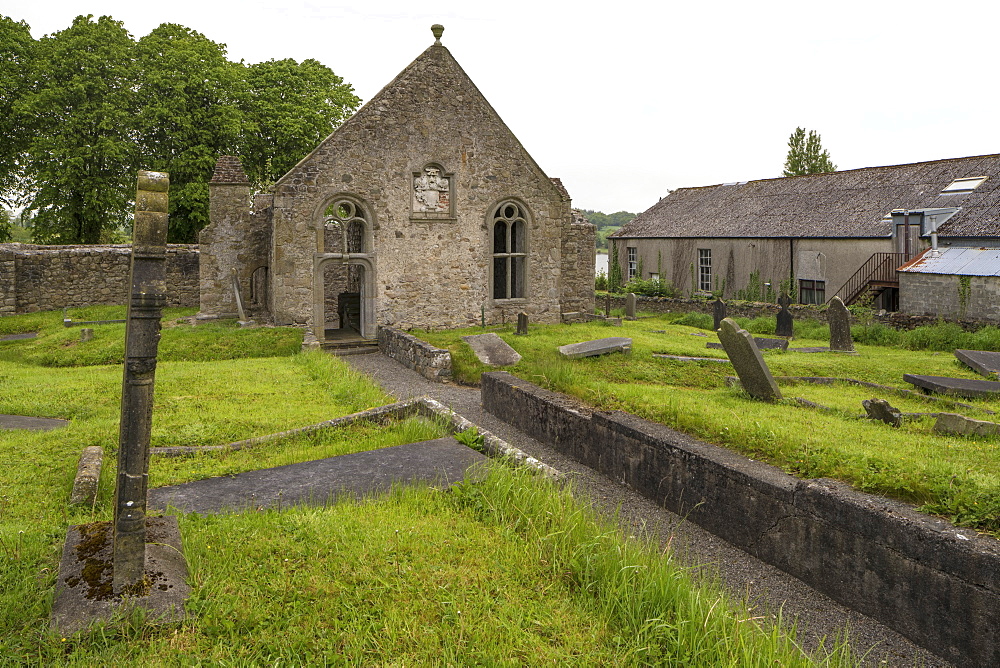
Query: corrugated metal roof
[957, 262]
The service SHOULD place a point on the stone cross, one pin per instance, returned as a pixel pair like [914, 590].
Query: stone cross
[522, 323]
[754, 375]
[785, 323]
[718, 313]
[142, 337]
[630, 306]
[840, 326]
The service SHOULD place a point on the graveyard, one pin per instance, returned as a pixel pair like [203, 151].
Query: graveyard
[819, 427]
[403, 574]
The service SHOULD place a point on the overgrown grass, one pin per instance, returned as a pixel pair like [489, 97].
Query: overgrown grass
[955, 477]
[509, 569]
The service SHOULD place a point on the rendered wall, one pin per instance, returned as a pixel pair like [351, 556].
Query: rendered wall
[933, 583]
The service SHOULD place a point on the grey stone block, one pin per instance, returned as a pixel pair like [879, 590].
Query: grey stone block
[611, 344]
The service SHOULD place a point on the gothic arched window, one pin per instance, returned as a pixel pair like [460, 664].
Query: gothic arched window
[510, 250]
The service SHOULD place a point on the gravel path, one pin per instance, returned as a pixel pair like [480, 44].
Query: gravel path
[766, 588]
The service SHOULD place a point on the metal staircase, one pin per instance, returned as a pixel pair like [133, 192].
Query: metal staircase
[874, 276]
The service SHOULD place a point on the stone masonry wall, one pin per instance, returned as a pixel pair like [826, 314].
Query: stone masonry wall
[411, 352]
[933, 583]
[578, 260]
[43, 278]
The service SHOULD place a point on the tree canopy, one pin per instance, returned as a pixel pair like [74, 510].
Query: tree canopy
[806, 155]
[83, 109]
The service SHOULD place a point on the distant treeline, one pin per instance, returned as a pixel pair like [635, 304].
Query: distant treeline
[607, 223]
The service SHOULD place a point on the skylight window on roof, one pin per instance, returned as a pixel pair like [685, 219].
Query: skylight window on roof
[963, 185]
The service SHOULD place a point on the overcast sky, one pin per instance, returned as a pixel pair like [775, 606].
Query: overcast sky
[625, 100]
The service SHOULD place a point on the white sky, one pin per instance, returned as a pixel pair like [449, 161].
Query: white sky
[624, 100]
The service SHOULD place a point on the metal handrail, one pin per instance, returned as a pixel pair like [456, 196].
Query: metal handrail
[880, 267]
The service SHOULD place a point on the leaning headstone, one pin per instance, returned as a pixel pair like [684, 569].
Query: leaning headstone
[840, 326]
[492, 350]
[612, 344]
[522, 323]
[630, 306]
[754, 375]
[784, 322]
[883, 411]
[718, 313]
[86, 334]
[983, 362]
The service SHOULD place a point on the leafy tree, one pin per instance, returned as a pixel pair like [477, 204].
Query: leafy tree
[80, 107]
[16, 50]
[191, 114]
[290, 108]
[806, 155]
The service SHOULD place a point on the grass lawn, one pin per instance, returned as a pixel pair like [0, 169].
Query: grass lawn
[955, 477]
[507, 570]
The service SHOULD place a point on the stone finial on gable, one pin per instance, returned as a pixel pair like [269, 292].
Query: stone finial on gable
[437, 29]
[229, 169]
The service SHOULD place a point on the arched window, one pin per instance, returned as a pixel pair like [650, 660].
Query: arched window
[346, 220]
[509, 251]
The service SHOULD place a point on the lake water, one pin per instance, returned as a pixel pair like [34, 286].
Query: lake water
[601, 264]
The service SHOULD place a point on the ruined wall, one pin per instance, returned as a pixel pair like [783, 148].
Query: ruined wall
[235, 244]
[44, 278]
[579, 252]
[429, 271]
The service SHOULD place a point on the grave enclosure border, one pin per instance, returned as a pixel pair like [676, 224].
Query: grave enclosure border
[933, 583]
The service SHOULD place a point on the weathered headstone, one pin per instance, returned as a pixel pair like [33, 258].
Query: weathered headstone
[840, 326]
[983, 362]
[148, 296]
[88, 473]
[607, 306]
[522, 323]
[883, 411]
[630, 306]
[612, 344]
[754, 375]
[784, 324]
[492, 350]
[953, 423]
[718, 313]
[86, 334]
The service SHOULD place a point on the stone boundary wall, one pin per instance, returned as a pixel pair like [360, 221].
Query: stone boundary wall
[430, 362]
[44, 278]
[937, 585]
[905, 321]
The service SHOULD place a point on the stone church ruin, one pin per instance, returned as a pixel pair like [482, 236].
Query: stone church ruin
[422, 210]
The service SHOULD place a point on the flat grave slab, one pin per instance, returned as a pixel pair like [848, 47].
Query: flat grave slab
[814, 349]
[83, 591]
[611, 344]
[30, 423]
[492, 350]
[763, 343]
[983, 362]
[441, 461]
[682, 358]
[18, 337]
[959, 387]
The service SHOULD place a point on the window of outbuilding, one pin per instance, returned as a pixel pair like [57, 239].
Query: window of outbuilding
[963, 185]
[510, 251]
[812, 292]
[632, 263]
[705, 269]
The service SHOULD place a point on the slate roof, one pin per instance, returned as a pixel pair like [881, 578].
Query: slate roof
[848, 204]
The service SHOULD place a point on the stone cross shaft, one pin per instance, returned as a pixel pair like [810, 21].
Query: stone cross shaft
[147, 282]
